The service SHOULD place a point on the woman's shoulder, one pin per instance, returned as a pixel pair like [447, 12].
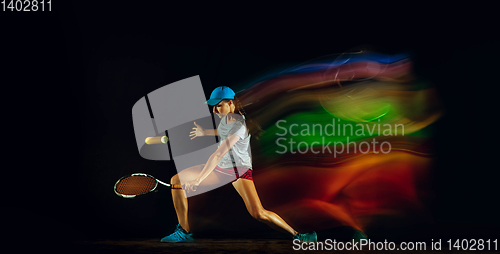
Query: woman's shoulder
[239, 127]
[239, 121]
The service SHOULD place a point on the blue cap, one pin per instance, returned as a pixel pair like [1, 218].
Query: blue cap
[220, 93]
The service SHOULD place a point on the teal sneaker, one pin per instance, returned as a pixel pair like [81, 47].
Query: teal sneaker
[307, 237]
[358, 235]
[178, 236]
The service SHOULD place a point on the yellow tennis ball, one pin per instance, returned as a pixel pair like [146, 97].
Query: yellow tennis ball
[164, 139]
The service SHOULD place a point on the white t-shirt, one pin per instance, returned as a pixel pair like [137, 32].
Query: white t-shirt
[241, 150]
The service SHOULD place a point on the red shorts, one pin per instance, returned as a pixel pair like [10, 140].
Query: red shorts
[232, 171]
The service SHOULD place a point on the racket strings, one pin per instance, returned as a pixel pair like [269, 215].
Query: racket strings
[135, 185]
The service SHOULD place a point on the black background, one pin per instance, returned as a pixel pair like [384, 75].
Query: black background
[71, 77]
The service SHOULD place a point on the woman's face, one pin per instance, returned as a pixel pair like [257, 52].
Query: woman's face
[223, 108]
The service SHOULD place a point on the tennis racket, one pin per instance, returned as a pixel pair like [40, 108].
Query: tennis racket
[136, 184]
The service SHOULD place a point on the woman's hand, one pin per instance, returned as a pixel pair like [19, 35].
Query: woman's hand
[191, 185]
[198, 132]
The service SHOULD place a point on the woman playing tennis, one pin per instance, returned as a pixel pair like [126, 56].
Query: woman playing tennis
[231, 159]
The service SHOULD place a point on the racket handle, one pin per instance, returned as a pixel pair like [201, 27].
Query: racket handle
[176, 186]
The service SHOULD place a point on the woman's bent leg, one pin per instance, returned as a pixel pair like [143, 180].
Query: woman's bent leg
[179, 196]
[247, 191]
[180, 204]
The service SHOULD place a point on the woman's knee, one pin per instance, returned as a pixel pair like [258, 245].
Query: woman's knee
[259, 214]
